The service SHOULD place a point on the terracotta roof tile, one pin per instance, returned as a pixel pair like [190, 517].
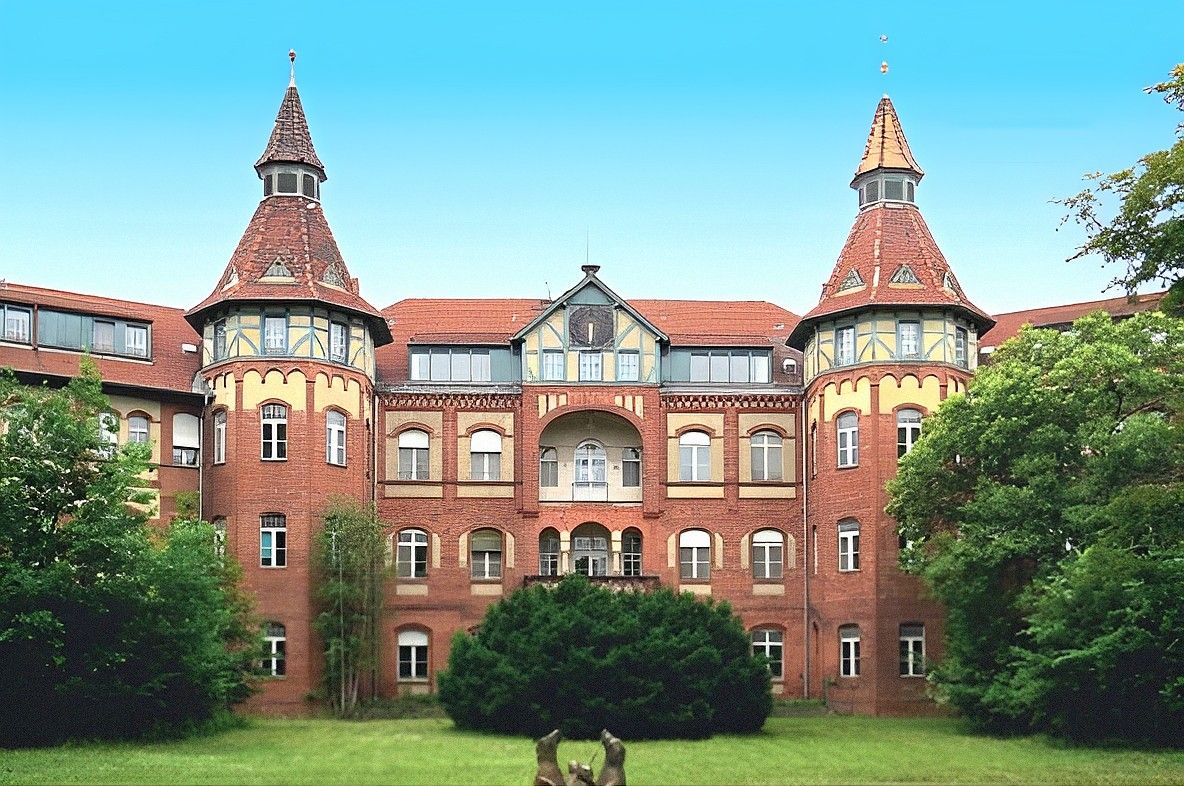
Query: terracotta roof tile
[290, 140]
[1009, 324]
[170, 368]
[887, 147]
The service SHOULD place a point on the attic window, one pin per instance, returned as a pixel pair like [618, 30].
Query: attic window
[279, 269]
[949, 282]
[333, 277]
[904, 275]
[231, 278]
[852, 281]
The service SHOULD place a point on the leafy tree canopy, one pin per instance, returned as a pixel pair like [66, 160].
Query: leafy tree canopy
[1147, 232]
[106, 627]
[582, 658]
[1046, 510]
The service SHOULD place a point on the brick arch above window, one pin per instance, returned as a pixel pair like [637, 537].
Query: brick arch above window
[412, 426]
[710, 432]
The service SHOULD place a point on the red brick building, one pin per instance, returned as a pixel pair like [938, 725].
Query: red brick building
[727, 449]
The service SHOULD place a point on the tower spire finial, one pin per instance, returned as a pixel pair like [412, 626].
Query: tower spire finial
[292, 68]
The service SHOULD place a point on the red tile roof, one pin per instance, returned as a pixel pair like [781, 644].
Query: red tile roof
[169, 369]
[887, 147]
[293, 231]
[886, 236]
[290, 140]
[1009, 324]
[494, 321]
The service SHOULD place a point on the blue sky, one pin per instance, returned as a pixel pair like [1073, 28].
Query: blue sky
[703, 148]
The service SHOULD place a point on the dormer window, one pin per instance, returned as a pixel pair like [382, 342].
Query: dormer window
[851, 281]
[887, 187]
[288, 180]
[278, 269]
[904, 275]
[333, 277]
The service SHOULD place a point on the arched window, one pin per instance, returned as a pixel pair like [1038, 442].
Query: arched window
[766, 456]
[220, 437]
[631, 467]
[186, 439]
[275, 432]
[335, 438]
[631, 552]
[411, 558]
[694, 554]
[486, 554]
[413, 656]
[413, 455]
[485, 455]
[589, 547]
[549, 552]
[908, 429]
[275, 640]
[694, 456]
[768, 554]
[849, 651]
[137, 429]
[590, 464]
[848, 439]
[548, 468]
[219, 524]
[770, 642]
[849, 545]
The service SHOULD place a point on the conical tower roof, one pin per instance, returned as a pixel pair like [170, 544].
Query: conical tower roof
[290, 141]
[887, 147]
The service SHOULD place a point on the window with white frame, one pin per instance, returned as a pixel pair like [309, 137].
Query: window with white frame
[451, 364]
[912, 650]
[631, 467]
[338, 341]
[549, 552]
[770, 642]
[845, 346]
[847, 430]
[275, 639]
[631, 553]
[411, 556]
[908, 339]
[413, 455]
[961, 341]
[275, 335]
[335, 437]
[694, 456]
[135, 340]
[590, 366]
[103, 336]
[486, 554]
[766, 455]
[729, 365]
[694, 554]
[768, 554]
[553, 364]
[274, 433]
[108, 433]
[219, 525]
[186, 439]
[17, 322]
[849, 651]
[591, 464]
[220, 340]
[413, 656]
[220, 437]
[628, 366]
[814, 449]
[908, 430]
[485, 455]
[137, 429]
[849, 545]
[548, 468]
[273, 540]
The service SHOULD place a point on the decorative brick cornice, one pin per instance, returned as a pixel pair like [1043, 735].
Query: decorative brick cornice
[442, 400]
[703, 401]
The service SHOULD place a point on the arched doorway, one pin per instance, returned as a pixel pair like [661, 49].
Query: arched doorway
[589, 549]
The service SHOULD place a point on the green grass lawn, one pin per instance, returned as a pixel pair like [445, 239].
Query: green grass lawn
[824, 749]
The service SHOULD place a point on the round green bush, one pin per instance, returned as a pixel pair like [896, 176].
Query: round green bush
[581, 658]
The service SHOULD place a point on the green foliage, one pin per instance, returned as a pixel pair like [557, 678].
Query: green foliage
[1147, 232]
[348, 558]
[581, 658]
[1046, 510]
[106, 628]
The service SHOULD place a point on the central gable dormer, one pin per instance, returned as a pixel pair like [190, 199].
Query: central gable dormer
[590, 335]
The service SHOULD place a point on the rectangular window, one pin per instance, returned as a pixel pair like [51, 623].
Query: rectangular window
[338, 342]
[590, 367]
[628, 367]
[761, 364]
[848, 546]
[275, 335]
[553, 364]
[894, 189]
[103, 337]
[700, 367]
[694, 562]
[849, 651]
[136, 341]
[413, 662]
[720, 366]
[961, 340]
[441, 370]
[185, 457]
[908, 340]
[220, 438]
[770, 644]
[16, 324]
[286, 184]
[274, 433]
[220, 340]
[421, 366]
[460, 367]
[845, 346]
[479, 367]
[273, 540]
[912, 650]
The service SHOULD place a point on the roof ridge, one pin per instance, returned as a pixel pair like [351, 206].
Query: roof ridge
[1137, 298]
[83, 297]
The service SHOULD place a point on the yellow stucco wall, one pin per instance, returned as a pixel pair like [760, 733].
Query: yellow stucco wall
[908, 390]
[291, 390]
[844, 395]
[337, 392]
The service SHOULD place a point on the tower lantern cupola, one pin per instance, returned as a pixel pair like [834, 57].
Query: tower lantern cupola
[289, 165]
[887, 172]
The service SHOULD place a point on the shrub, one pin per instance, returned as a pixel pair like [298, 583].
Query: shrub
[581, 658]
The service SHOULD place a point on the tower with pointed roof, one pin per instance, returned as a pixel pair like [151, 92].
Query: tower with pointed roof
[288, 357]
[892, 336]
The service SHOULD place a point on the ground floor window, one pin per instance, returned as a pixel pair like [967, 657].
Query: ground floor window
[413, 655]
[275, 640]
[849, 651]
[912, 650]
[770, 643]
